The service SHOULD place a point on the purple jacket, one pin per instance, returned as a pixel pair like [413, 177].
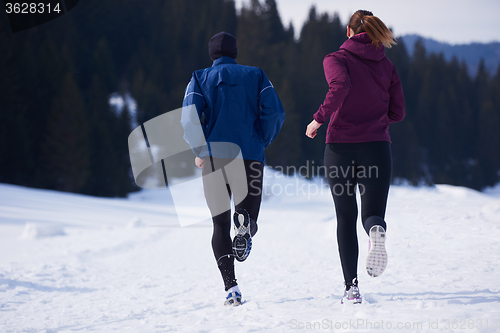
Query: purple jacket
[365, 93]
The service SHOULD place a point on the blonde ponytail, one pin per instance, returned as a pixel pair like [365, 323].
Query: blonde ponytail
[364, 21]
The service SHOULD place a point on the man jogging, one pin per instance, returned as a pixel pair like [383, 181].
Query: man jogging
[240, 114]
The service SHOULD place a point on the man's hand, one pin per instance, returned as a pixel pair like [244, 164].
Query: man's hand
[199, 162]
[312, 129]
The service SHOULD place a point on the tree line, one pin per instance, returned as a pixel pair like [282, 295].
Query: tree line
[58, 131]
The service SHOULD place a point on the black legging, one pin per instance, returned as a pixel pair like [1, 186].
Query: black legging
[368, 165]
[221, 238]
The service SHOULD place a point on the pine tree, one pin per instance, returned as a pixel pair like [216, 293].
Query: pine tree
[17, 159]
[66, 144]
[449, 134]
[320, 35]
[488, 124]
[407, 157]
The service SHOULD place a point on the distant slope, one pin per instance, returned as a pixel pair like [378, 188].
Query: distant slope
[470, 53]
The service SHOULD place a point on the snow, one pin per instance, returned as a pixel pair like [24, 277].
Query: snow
[71, 263]
[118, 101]
[40, 230]
[493, 191]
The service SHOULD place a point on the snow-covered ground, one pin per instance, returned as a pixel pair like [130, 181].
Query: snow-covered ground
[77, 263]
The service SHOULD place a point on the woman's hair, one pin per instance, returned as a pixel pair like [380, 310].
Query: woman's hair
[364, 21]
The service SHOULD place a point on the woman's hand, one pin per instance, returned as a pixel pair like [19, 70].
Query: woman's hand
[312, 129]
[199, 162]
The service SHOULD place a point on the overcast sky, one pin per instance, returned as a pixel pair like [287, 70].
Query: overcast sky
[452, 21]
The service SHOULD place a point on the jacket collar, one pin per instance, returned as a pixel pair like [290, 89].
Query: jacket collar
[224, 60]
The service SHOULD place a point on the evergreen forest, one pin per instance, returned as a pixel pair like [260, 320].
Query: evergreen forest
[58, 130]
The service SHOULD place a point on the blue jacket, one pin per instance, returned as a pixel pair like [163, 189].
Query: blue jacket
[235, 104]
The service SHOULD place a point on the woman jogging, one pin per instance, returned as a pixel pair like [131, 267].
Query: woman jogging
[364, 97]
[240, 115]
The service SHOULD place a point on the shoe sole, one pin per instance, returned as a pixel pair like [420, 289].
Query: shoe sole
[233, 301]
[351, 301]
[242, 242]
[376, 261]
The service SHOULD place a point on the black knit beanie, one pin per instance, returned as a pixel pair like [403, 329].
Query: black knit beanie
[222, 44]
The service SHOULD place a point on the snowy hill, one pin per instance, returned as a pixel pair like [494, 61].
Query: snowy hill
[76, 263]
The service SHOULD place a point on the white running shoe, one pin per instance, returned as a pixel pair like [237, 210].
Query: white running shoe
[351, 293]
[233, 297]
[376, 261]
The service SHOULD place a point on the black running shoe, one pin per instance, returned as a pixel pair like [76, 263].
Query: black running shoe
[242, 242]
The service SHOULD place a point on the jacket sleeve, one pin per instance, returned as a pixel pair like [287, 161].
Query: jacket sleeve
[339, 85]
[397, 101]
[192, 109]
[272, 114]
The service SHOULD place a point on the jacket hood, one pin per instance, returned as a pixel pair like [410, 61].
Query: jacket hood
[361, 45]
